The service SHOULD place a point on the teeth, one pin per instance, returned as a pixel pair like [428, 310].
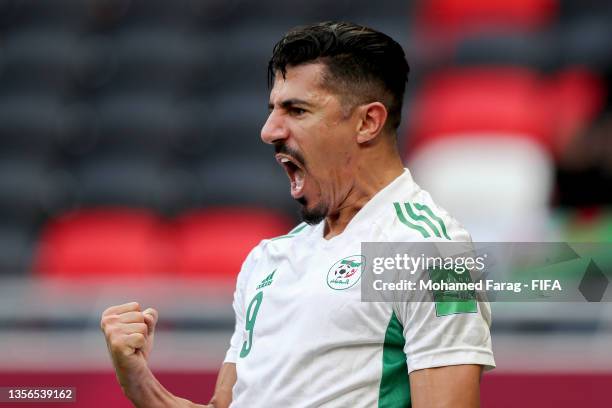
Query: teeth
[299, 180]
[284, 160]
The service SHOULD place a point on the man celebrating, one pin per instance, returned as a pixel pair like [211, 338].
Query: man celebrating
[303, 337]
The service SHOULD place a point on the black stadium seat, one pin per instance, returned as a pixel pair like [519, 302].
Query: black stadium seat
[535, 51]
[240, 179]
[159, 58]
[32, 123]
[586, 42]
[17, 242]
[30, 188]
[41, 58]
[236, 119]
[225, 123]
[132, 181]
[59, 13]
[137, 122]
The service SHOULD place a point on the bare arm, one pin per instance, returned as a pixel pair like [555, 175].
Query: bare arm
[223, 390]
[148, 392]
[455, 386]
[129, 337]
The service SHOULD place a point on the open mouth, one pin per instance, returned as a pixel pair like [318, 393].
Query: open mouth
[295, 172]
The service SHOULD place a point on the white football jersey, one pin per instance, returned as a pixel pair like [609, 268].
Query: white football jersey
[305, 339]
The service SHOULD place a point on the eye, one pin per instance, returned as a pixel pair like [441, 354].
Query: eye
[296, 111]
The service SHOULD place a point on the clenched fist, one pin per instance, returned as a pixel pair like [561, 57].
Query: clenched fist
[129, 337]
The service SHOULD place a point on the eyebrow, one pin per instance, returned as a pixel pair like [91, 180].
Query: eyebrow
[288, 103]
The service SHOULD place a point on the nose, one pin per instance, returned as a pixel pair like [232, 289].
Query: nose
[274, 129]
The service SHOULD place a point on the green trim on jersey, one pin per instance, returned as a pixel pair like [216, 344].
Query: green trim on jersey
[394, 389]
[292, 233]
[298, 228]
[400, 215]
[421, 220]
[435, 217]
[419, 217]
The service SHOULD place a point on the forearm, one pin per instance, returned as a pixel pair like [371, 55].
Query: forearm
[129, 337]
[450, 386]
[144, 391]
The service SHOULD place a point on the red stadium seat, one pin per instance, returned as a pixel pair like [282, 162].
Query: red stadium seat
[213, 243]
[509, 100]
[440, 25]
[486, 100]
[457, 17]
[103, 243]
[481, 142]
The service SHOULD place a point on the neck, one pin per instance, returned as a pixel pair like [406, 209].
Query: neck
[368, 181]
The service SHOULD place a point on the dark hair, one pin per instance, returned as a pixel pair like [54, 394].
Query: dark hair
[363, 65]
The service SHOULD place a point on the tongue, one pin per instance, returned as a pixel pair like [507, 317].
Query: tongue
[297, 184]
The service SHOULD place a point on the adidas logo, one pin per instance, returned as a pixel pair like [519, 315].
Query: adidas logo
[267, 280]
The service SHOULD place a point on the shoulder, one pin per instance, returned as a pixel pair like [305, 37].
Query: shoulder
[299, 230]
[279, 244]
[414, 215]
[269, 248]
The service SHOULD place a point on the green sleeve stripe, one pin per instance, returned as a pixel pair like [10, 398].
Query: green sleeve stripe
[419, 217]
[400, 215]
[394, 391]
[432, 215]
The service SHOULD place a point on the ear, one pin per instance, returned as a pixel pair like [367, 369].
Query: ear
[373, 117]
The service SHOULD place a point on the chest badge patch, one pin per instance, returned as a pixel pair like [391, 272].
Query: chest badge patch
[346, 272]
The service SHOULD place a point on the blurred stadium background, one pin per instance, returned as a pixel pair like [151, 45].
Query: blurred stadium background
[129, 148]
